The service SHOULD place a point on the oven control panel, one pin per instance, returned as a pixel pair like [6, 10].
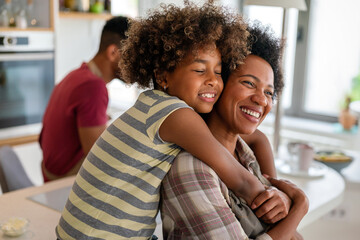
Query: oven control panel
[11, 41]
[26, 41]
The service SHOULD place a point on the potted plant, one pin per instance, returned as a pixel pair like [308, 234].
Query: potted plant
[346, 118]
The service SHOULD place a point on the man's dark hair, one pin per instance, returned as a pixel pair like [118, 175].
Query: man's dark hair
[113, 32]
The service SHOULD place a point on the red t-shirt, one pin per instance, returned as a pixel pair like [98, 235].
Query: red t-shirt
[79, 100]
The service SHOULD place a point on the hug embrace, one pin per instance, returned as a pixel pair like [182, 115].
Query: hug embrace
[184, 55]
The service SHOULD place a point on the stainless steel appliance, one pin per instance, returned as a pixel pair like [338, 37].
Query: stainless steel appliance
[26, 76]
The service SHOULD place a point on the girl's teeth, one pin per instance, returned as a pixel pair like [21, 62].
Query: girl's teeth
[208, 95]
[252, 113]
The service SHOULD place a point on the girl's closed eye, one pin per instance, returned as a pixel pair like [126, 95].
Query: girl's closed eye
[199, 70]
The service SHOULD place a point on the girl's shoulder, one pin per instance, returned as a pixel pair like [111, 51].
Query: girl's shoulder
[157, 97]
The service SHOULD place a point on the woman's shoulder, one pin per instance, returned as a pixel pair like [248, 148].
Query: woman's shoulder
[185, 162]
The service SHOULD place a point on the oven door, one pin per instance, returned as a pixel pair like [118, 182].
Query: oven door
[26, 82]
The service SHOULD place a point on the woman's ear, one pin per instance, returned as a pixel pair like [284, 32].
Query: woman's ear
[112, 52]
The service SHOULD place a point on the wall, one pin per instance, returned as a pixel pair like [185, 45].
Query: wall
[77, 41]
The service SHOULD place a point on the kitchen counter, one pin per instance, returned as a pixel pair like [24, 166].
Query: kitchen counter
[351, 173]
[20, 134]
[324, 194]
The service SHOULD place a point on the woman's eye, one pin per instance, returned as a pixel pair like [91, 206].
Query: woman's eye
[251, 84]
[199, 71]
[218, 73]
[269, 93]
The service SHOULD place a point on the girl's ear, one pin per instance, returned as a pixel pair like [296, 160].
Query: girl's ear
[112, 52]
[161, 79]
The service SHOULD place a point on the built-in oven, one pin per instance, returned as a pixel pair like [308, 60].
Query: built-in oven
[26, 76]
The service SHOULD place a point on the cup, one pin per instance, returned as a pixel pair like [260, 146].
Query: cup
[305, 157]
[301, 154]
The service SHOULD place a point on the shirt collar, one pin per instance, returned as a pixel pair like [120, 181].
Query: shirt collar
[94, 69]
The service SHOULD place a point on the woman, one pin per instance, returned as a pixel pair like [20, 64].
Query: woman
[196, 203]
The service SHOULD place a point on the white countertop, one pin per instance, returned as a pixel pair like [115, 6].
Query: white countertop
[324, 194]
[351, 173]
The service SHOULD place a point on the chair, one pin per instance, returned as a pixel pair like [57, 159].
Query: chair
[12, 172]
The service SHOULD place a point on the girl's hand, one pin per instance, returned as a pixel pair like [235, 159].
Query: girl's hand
[272, 205]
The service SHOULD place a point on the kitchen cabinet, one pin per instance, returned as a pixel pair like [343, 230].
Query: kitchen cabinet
[42, 10]
[84, 15]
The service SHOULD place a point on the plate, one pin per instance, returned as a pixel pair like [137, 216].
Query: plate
[316, 170]
[332, 156]
[334, 159]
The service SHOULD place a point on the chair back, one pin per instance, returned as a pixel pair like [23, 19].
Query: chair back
[12, 173]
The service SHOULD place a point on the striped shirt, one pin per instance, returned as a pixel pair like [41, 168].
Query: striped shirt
[196, 204]
[116, 192]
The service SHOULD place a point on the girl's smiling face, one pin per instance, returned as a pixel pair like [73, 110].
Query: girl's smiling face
[197, 79]
[247, 96]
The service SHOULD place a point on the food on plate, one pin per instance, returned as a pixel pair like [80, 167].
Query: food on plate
[331, 156]
[15, 226]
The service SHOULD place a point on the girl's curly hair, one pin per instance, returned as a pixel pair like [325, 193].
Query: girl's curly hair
[159, 42]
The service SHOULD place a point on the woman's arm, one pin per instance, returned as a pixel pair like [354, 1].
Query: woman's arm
[286, 228]
[272, 205]
[188, 130]
[260, 145]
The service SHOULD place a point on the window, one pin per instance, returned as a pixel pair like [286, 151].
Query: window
[322, 55]
[333, 55]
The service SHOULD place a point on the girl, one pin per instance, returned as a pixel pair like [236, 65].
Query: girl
[179, 51]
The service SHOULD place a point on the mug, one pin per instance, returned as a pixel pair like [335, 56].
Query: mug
[302, 155]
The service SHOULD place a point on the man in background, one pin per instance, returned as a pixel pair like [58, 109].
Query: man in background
[76, 113]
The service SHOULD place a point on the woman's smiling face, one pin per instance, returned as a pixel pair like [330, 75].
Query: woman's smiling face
[247, 96]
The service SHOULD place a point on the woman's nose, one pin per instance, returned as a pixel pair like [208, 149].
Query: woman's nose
[259, 98]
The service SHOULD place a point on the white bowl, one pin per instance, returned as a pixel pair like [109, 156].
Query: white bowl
[15, 226]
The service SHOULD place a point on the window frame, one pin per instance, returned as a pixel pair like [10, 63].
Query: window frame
[297, 105]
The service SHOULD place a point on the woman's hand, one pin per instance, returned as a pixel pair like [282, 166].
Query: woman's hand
[297, 195]
[297, 236]
[272, 205]
[286, 228]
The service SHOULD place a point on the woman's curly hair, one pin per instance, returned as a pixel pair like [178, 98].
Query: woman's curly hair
[159, 42]
[265, 44]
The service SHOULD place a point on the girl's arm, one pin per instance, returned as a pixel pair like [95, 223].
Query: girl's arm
[188, 130]
[260, 145]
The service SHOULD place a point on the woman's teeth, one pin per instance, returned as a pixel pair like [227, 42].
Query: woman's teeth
[252, 113]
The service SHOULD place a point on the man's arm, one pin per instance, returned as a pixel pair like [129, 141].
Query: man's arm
[188, 130]
[88, 136]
